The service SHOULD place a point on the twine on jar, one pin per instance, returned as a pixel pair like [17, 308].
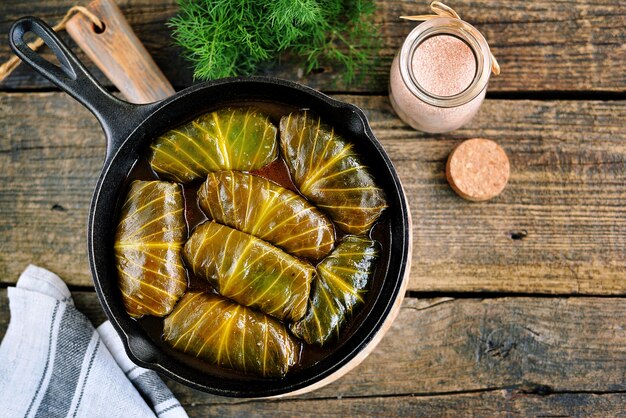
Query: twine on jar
[8, 67]
[441, 10]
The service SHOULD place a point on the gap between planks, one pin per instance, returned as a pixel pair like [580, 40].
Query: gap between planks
[539, 95]
[509, 391]
[442, 296]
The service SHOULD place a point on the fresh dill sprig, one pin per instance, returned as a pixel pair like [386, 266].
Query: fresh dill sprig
[224, 38]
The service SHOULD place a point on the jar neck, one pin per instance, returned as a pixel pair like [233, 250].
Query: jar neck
[461, 30]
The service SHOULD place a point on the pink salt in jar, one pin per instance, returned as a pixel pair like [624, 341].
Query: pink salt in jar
[439, 77]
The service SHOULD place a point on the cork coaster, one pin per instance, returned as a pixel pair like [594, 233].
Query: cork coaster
[478, 169]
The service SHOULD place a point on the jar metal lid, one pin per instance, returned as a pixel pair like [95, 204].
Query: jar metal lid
[457, 28]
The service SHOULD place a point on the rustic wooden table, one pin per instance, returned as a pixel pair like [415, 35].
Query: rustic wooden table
[515, 306]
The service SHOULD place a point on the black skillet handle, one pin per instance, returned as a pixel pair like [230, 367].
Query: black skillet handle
[117, 117]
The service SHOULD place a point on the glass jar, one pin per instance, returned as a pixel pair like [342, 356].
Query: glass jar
[431, 87]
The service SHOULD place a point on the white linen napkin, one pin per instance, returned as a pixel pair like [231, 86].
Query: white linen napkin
[53, 363]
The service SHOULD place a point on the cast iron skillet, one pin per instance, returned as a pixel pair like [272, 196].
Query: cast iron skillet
[130, 128]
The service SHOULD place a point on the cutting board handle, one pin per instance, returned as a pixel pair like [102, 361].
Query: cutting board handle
[117, 51]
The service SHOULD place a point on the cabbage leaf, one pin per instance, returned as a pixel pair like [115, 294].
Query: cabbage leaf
[227, 139]
[338, 288]
[249, 271]
[229, 335]
[268, 211]
[148, 245]
[328, 172]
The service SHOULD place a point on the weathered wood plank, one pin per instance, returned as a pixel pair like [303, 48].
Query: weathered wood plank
[493, 404]
[559, 227]
[445, 346]
[542, 45]
[49, 167]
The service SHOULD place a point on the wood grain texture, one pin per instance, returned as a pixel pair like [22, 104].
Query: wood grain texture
[541, 45]
[516, 353]
[492, 404]
[119, 54]
[558, 228]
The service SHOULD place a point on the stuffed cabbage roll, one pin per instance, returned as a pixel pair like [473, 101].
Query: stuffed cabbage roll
[148, 246]
[249, 270]
[229, 138]
[327, 171]
[337, 290]
[224, 333]
[268, 211]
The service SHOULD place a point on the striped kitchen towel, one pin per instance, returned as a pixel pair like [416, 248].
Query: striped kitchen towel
[53, 363]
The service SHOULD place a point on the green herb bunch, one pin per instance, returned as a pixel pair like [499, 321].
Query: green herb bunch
[224, 38]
